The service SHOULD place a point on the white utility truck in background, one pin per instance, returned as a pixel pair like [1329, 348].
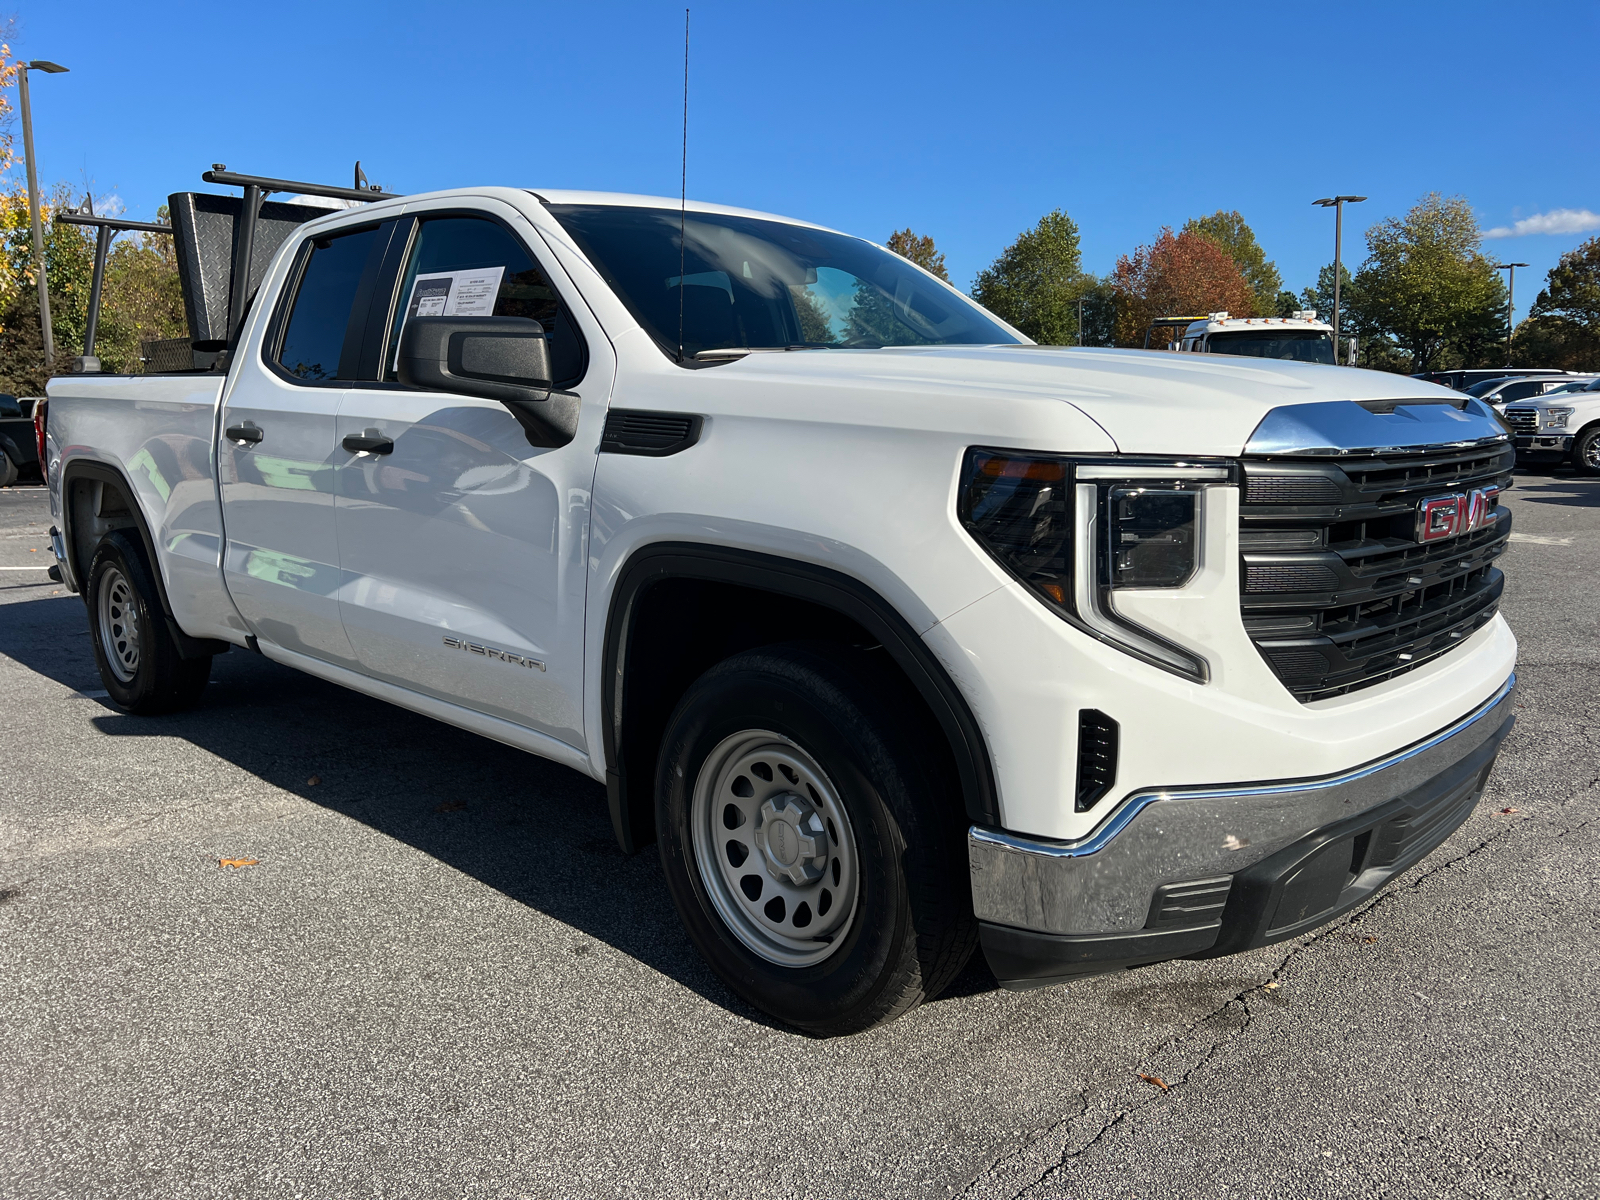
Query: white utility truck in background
[898, 633]
[1299, 337]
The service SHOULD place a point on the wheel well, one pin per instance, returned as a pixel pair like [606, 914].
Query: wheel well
[679, 611]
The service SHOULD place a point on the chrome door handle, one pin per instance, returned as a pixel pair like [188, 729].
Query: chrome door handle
[248, 433]
[370, 442]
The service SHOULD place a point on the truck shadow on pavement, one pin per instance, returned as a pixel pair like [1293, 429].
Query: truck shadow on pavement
[537, 832]
[1572, 491]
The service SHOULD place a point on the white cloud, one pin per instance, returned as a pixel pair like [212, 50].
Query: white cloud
[1560, 220]
[109, 206]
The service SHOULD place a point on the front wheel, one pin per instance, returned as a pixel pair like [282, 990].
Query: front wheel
[811, 839]
[1586, 452]
[137, 656]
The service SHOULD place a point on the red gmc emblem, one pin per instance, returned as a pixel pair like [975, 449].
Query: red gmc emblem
[1441, 517]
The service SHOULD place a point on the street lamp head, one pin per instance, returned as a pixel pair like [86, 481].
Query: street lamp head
[1325, 202]
[48, 67]
[1351, 199]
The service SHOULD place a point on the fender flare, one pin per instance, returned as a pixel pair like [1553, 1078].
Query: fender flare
[822, 586]
[76, 469]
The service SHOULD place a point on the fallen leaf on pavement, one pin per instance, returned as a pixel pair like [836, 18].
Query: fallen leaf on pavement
[1157, 1081]
[237, 862]
[1371, 937]
[1508, 811]
[1270, 984]
[314, 780]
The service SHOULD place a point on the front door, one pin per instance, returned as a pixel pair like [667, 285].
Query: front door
[461, 545]
[278, 449]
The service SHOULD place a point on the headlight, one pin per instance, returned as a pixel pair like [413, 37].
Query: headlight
[1556, 418]
[1076, 532]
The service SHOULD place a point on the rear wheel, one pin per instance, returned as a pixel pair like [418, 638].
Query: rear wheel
[138, 659]
[1586, 451]
[810, 838]
[8, 470]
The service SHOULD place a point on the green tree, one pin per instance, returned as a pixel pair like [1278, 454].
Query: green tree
[1229, 233]
[1427, 287]
[1035, 283]
[1563, 326]
[919, 250]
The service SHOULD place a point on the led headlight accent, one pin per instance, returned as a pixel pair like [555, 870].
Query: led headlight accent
[1556, 418]
[1076, 533]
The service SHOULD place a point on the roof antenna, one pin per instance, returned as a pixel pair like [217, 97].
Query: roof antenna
[683, 193]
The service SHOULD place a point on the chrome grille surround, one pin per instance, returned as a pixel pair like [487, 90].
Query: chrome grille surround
[1337, 594]
[1523, 420]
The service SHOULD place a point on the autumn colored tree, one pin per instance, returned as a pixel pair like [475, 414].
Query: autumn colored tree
[1181, 274]
[1563, 327]
[919, 250]
[1035, 283]
[1230, 234]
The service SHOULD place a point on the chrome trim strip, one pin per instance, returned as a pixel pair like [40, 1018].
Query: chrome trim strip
[1130, 808]
[1334, 428]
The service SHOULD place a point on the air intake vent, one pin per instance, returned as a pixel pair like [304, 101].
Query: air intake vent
[631, 431]
[1273, 578]
[1197, 902]
[1097, 757]
[1291, 489]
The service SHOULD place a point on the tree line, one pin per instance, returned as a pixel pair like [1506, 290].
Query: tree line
[1425, 298]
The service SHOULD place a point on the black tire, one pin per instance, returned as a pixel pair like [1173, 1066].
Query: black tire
[8, 470]
[1586, 451]
[911, 928]
[139, 661]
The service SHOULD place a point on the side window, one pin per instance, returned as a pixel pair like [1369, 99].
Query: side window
[474, 267]
[314, 334]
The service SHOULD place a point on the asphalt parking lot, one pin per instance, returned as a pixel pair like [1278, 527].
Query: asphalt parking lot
[439, 977]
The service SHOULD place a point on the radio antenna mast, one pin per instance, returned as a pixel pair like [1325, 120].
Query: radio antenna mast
[683, 183]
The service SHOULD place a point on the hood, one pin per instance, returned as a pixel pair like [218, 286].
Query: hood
[1148, 402]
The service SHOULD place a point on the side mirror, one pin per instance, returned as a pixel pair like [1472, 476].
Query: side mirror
[494, 358]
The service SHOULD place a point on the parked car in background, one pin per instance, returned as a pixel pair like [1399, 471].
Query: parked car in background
[19, 451]
[1462, 379]
[1558, 427]
[1500, 392]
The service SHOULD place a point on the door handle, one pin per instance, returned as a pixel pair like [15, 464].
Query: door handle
[248, 433]
[370, 442]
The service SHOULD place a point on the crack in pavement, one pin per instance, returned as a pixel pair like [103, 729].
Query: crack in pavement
[1234, 1030]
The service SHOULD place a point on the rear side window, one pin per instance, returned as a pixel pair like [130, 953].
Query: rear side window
[314, 335]
[474, 267]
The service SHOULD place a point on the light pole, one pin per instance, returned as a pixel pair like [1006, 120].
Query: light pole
[49, 68]
[1337, 203]
[1511, 301]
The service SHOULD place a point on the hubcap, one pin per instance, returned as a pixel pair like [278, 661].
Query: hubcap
[1591, 453]
[774, 848]
[119, 624]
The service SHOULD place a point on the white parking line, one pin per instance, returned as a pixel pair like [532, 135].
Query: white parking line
[1536, 540]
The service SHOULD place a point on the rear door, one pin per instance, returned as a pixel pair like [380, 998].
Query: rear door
[278, 447]
[462, 547]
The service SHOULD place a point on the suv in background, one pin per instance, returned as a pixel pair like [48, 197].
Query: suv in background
[1503, 391]
[1462, 379]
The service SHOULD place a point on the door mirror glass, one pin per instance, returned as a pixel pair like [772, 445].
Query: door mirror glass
[493, 358]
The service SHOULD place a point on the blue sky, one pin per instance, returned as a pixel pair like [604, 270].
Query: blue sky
[964, 121]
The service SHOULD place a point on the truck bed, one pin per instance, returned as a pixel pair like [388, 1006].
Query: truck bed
[158, 432]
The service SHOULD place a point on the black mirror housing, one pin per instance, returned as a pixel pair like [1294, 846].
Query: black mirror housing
[493, 358]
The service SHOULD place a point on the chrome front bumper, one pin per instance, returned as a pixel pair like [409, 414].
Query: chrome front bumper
[1104, 888]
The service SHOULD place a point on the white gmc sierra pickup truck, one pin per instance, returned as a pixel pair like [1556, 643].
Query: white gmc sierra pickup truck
[898, 633]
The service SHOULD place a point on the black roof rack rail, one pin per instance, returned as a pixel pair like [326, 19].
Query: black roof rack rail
[256, 189]
[105, 229]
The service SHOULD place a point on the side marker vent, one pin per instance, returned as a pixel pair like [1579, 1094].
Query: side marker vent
[1097, 757]
[633, 431]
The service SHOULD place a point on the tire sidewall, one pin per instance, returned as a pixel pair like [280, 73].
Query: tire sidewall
[880, 937]
[1578, 460]
[115, 550]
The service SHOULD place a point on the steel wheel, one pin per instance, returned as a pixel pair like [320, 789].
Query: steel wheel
[118, 612]
[775, 849]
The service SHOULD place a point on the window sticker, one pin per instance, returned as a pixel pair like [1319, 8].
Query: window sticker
[456, 293]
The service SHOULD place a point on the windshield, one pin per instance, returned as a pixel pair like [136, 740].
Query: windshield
[1309, 346]
[762, 284]
[1486, 386]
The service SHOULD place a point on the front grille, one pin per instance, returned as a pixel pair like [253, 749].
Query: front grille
[1337, 593]
[1523, 420]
